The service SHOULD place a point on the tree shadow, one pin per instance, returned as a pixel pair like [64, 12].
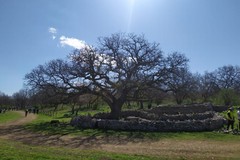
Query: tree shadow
[67, 136]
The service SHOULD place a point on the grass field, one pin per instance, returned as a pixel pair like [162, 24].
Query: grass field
[17, 151]
[117, 145]
[9, 116]
[41, 124]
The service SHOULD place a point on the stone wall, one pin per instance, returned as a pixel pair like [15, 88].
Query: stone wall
[140, 124]
[197, 117]
[209, 124]
[165, 117]
[85, 122]
[220, 108]
[182, 109]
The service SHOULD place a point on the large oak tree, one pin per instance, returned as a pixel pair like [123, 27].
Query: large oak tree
[119, 65]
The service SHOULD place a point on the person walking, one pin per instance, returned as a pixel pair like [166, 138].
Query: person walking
[26, 112]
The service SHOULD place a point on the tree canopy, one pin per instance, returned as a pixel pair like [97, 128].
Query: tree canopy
[127, 66]
[112, 70]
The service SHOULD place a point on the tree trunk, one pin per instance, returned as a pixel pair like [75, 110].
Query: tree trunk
[73, 109]
[115, 112]
[179, 100]
[141, 104]
[205, 98]
[128, 104]
[116, 109]
[77, 110]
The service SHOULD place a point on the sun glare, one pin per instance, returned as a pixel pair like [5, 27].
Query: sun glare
[131, 9]
[131, 2]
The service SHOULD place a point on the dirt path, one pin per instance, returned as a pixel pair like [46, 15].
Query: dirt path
[130, 145]
[22, 121]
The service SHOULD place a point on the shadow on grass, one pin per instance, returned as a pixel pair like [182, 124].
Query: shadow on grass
[65, 135]
[66, 129]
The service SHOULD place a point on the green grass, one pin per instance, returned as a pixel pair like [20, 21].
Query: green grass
[41, 124]
[18, 151]
[64, 113]
[9, 116]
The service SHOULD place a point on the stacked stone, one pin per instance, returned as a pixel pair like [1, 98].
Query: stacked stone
[161, 119]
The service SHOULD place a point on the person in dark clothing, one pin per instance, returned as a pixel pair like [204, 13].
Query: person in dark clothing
[230, 118]
[26, 112]
[37, 110]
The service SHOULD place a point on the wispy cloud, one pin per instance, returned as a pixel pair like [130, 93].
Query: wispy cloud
[53, 32]
[67, 41]
[72, 42]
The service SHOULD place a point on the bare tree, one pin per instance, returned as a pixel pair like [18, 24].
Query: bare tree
[5, 101]
[194, 88]
[228, 76]
[120, 64]
[228, 79]
[53, 84]
[21, 98]
[208, 86]
[178, 79]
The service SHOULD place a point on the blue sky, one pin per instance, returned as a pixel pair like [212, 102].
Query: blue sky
[33, 32]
